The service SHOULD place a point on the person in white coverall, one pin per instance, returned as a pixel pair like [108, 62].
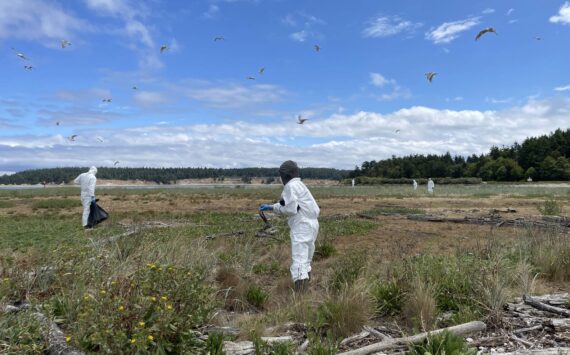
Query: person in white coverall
[430, 186]
[87, 181]
[415, 185]
[303, 211]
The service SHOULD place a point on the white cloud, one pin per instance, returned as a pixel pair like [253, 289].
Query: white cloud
[449, 31]
[510, 11]
[563, 16]
[379, 80]
[150, 98]
[235, 96]
[498, 101]
[385, 26]
[338, 140]
[513, 21]
[396, 91]
[562, 88]
[488, 11]
[213, 10]
[38, 20]
[300, 36]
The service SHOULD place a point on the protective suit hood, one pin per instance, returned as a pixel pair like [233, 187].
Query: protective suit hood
[288, 170]
[93, 170]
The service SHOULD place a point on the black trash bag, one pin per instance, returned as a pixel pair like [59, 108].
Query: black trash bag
[96, 215]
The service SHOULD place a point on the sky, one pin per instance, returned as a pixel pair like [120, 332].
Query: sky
[203, 102]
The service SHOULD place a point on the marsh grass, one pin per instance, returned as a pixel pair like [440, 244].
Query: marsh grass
[56, 204]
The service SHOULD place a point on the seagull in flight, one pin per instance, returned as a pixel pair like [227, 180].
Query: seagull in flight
[20, 55]
[107, 100]
[134, 88]
[250, 78]
[538, 38]
[261, 71]
[29, 67]
[397, 131]
[430, 75]
[116, 163]
[100, 139]
[72, 138]
[485, 30]
[317, 47]
[301, 120]
[65, 43]
[163, 48]
[220, 38]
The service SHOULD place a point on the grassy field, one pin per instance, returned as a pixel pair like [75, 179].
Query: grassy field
[193, 259]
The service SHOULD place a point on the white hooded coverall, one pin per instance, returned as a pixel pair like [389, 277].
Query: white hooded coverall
[415, 184]
[87, 181]
[303, 224]
[430, 186]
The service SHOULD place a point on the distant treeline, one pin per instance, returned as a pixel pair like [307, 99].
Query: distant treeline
[541, 158]
[164, 175]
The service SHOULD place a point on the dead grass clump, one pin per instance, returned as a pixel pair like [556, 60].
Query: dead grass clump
[420, 306]
[549, 252]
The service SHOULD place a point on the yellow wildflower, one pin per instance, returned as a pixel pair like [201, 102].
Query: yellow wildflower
[151, 266]
[141, 324]
[103, 292]
[152, 298]
[169, 307]
[159, 269]
[170, 269]
[121, 308]
[113, 283]
[67, 339]
[150, 337]
[164, 298]
[133, 341]
[6, 279]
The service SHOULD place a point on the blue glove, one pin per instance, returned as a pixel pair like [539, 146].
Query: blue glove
[266, 207]
[93, 199]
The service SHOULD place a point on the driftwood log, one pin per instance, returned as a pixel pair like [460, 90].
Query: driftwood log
[550, 351]
[248, 348]
[545, 307]
[462, 329]
[497, 221]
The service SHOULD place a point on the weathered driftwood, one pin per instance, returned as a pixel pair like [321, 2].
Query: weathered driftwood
[521, 341]
[528, 329]
[248, 348]
[224, 330]
[303, 347]
[55, 337]
[550, 351]
[351, 339]
[560, 325]
[492, 220]
[545, 307]
[377, 333]
[462, 329]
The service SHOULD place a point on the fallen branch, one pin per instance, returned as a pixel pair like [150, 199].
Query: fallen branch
[351, 339]
[529, 329]
[551, 351]
[376, 333]
[57, 345]
[560, 325]
[544, 307]
[462, 329]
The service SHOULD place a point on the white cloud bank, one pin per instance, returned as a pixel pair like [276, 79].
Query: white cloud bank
[563, 16]
[449, 31]
[385, 26]
[339, 140]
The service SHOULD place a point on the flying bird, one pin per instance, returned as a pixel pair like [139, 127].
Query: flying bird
[301, 120]
[538, 38]
[163, 48]
[116, 163]
[397, 131]
[29, 67]
[261, 71]
[483, 31]
[20, 55]
[107, 100]
[317, 47]
[216, 39]
[65, 43]
[250, 78]
[72, 138]
[100, 139]
[430, 75]
[134, 88]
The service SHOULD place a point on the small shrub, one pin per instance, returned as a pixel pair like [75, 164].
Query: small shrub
[445, 343]
[550, 208]
[347, 270]
[318, 346]
[388, 298]
[256, 296]
[325, 250]
[273, 268]
[215, 344]
[344, 314]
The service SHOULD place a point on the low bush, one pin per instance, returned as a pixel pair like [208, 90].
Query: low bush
[388, 298]
[325, 250]
[343, 314]
[366, 180]
[256, 296]
[347, 270]
[445, 343]
[550, 208]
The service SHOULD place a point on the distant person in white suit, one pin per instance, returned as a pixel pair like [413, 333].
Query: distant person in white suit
[352, 182]
[415, 185]
[430, 186]
[87, 182]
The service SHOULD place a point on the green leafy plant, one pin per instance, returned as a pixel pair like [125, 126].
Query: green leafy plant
[445, 343]
[388, 298]
[256, 296]
[215, 344]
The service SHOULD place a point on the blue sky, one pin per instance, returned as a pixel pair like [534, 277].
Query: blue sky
[194, 105]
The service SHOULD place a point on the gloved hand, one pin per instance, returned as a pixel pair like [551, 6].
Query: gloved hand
[266, 207]
[93, 199]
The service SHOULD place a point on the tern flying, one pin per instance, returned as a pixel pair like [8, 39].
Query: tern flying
[100, 139]
[261, 71]
[134, 88]
[397, 131]
[250, 78]
[430, 75]
[219, 39]
[301, 120]
[116, 162]
[163, 48]
[72, 138]
[65, 43]
[107, 100]
[483, 31]
[317, 47]
[20, 55]
[29, 67]
[57, 123]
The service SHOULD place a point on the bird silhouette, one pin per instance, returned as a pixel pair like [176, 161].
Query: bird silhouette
[483, 31]
[397, 131]
[57, 123]
[261, 71]
[100, 139]
[430, 75]
[301, 120]
[65, 43]
[538, 38]
[135, 88]
[163, 48]
[20, 55]
[107, 100]
[116, 163]
[220, 38]
[72, 138]
[250, 78]
[28, 67]
[317, 47]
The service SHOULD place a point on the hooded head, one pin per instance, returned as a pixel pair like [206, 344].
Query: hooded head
[288, 170]
[93, 170]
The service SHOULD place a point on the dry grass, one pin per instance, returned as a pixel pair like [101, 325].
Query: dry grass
[420, 308]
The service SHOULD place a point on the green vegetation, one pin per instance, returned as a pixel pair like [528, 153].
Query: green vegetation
[550, 208]
[445, 343]
[541, 158]
[56, 203]
[388, 298]
[6, 204]
[256, 296]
